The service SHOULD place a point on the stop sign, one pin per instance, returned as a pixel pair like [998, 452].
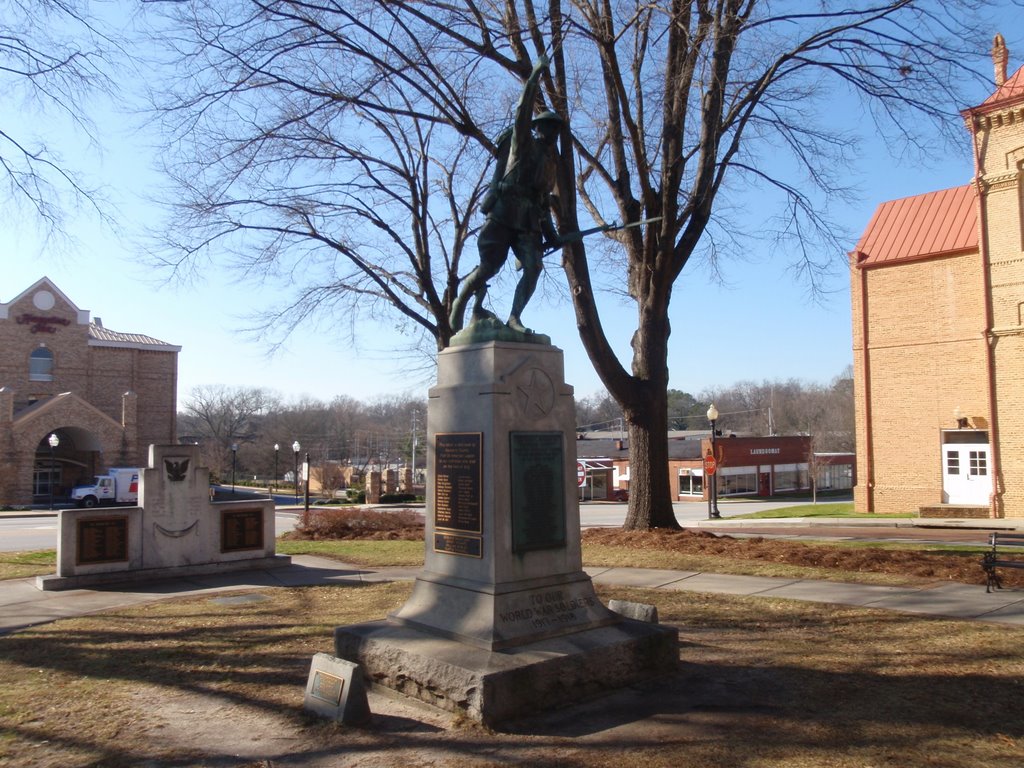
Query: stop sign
[710, 465]
[581, 474]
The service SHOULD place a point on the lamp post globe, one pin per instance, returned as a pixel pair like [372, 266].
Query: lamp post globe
[295, 450]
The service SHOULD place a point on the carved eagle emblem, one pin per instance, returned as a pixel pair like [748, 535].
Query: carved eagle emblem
[176, 470]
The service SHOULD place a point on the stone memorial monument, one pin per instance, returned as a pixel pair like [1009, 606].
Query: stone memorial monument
[176, 530]
[502, 619]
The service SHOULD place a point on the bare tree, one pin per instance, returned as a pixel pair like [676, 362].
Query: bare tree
[53, 55]
[823, 411]
[319, 155]
[671, 109]
[219, 417]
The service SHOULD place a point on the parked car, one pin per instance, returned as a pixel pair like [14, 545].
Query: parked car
[620, 494]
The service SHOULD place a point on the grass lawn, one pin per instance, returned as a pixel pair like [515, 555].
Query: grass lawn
[358, 552]
[19, 565]
[204, 681]
[823, 509]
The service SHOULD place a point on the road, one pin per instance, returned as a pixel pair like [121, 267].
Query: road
[25, 533]
[22, 533]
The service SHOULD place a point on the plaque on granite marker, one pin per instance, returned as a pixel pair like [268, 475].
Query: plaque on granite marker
[241, 529]
[458, 479]
[538, 490]
[455, 544]
[327, 687]
[103, 539]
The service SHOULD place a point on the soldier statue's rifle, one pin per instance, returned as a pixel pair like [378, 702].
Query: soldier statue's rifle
[574, 237]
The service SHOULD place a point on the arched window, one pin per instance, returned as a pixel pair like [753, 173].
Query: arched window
[40, 365]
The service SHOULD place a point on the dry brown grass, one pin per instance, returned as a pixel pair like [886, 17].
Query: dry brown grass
[20, 565]
[762, 684]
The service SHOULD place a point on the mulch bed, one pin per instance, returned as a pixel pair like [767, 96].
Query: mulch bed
[964, 568]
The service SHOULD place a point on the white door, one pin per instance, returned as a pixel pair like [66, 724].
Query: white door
[966, 473]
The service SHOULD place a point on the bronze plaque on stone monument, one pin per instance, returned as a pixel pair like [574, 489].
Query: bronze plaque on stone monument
[241, 529]
[538, 490]
[102, 539]
[457, 544]
[458, 479]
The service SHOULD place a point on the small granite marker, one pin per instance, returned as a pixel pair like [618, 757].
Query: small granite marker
[335, 689]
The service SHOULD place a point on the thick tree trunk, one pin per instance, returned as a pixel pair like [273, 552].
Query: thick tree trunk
[650, 494]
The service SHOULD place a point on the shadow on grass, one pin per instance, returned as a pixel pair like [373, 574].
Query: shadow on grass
[757, 680]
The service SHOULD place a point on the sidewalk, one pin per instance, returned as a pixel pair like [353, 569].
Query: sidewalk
[23, 605]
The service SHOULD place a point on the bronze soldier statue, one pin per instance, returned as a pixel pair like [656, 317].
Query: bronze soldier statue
[517, 206]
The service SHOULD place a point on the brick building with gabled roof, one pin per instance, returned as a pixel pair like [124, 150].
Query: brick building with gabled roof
[937, 288]
[105, 395]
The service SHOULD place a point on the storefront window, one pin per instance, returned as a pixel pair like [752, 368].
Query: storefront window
[744, 481]
[835, 477]
[790, 479]
[690, 485]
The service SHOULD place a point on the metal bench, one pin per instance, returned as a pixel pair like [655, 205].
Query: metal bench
[992, 560]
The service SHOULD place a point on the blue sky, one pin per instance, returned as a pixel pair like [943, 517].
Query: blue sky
[760, 324]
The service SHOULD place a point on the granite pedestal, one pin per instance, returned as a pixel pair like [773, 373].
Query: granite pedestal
[502, 619]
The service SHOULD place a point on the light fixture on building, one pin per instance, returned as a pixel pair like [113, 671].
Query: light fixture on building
[961, 420]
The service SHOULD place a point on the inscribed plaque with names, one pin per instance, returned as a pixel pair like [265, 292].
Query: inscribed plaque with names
[241, 530]
[538, 490]
[102, 540]
[458, 481]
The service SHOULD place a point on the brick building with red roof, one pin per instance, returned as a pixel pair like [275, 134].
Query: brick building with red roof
[937, 288]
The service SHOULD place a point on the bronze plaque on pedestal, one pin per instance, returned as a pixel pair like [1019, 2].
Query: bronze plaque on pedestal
[538, 490]
[454, 544]
[458, 482]
[241, 529]
[102, 539]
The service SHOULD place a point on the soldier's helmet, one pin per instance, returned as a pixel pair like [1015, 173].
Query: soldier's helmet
[548, 117]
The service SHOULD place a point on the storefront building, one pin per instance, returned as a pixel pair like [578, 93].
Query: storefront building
[938, 332]
[746, 466]
[75, 398]
[763, 466]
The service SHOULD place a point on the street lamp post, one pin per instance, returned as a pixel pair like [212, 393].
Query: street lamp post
[295, 450]
[713, 513]
[234, 455]
[54, 441]
[415, 419]
[305, 478]
[277, 453]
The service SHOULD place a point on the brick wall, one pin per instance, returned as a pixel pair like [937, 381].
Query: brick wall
[926, 346]
[923, 356]
[113, 429]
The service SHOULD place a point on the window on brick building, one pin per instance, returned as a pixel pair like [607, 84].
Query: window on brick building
[978, 463]
[952, 463]
[40, 365]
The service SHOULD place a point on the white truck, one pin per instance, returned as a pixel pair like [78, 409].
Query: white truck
[119, 486]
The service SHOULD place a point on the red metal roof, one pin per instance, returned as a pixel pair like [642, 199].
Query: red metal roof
[1011, 90]
[933, 224]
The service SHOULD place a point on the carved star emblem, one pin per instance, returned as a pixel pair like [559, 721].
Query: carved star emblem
[537, 396]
